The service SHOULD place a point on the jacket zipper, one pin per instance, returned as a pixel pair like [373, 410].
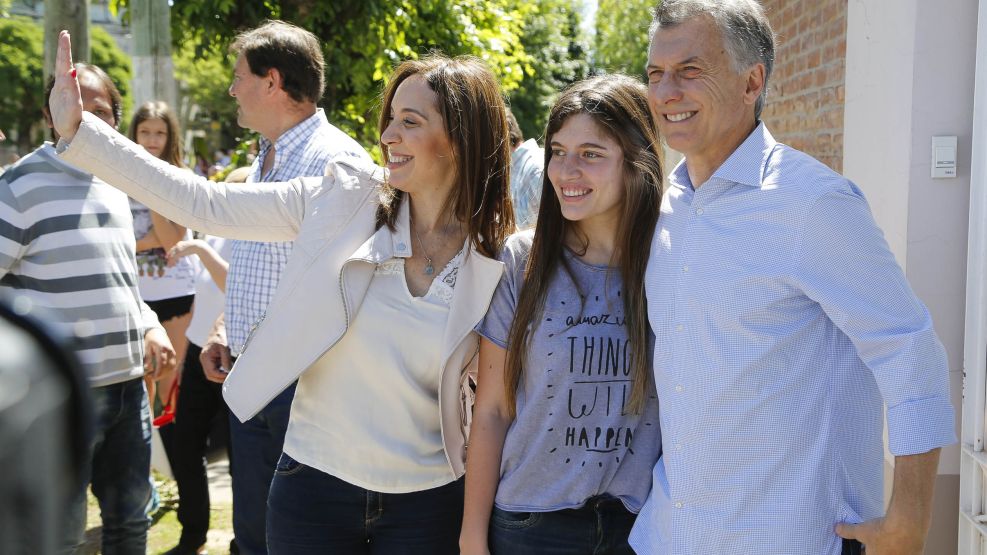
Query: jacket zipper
[346, 313]
[250, 333]
[346, 308]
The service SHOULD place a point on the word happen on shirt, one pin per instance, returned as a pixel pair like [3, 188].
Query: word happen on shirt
[599, 440]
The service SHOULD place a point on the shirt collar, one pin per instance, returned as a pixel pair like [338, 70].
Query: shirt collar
[679, 177]
[525, 149]
[50, 153]
[745, 166]
[401, 236]
[294, 139]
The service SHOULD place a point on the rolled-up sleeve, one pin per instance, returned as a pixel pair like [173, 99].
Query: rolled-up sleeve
[846, 266]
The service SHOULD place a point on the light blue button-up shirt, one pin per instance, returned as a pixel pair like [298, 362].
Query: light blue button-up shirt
[782, 322]
[527, 169]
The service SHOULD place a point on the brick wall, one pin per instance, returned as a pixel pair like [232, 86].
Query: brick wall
[806, 92]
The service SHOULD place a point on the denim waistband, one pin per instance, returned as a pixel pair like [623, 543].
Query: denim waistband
[604, 503]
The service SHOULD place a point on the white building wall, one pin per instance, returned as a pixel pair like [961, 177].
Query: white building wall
[973, 462]
[877, 110]
[910, 74]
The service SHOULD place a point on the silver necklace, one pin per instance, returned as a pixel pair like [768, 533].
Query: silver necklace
[429, 269]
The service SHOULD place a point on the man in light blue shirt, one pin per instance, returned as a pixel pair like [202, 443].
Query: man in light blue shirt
[783, 325]
[527, 171]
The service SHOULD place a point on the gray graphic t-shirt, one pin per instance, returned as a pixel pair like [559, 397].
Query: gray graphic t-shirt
[571, 439]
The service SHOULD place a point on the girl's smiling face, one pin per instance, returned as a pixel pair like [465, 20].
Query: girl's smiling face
[586, 171]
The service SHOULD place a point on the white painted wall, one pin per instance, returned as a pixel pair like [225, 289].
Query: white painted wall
[901, 89]
[877, 113]
[971, 539]
[909, 76]
[938, 209]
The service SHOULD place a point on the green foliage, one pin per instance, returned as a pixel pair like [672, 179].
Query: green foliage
[22, 83]
[239, 157]
[556, 50]
[21, 87]
[204, 77]
[622, 35]
[528, 44]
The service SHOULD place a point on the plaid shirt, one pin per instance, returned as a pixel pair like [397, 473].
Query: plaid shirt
[255, 267]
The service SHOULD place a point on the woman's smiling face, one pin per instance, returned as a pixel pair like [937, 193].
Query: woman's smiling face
[586, 170]
[419, 152]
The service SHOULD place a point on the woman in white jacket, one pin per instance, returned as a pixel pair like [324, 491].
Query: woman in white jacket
[375, 310]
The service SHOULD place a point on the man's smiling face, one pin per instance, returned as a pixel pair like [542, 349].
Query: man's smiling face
[700, 101]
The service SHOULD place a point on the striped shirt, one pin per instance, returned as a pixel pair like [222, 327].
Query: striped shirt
[255, 267]
[783, 325]
[67, 245]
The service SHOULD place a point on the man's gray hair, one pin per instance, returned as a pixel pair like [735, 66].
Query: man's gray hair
[746, 31]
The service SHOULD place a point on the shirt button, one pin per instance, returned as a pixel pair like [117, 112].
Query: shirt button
[678, 446]
[678, 389]
[679, 327]
[678, 504]
[685, 268]
[699, 211]
[402, 246]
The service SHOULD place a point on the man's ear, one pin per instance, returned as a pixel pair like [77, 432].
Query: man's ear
[275, 81]
[755, 83]
[50, 123]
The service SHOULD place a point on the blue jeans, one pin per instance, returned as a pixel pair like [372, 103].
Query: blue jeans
[852, 547]
[119, 466]
[255, 447]
[600, 527]
[312, 513]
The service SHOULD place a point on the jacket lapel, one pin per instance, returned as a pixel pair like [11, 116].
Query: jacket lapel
[376, 249]
[359, 267]
[381, 245]
[475, 284]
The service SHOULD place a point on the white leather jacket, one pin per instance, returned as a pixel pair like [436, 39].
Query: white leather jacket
[331, 219]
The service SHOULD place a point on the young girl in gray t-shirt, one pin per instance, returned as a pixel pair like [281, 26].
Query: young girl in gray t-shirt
[565, 427]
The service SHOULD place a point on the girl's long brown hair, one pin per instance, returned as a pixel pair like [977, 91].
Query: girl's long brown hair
[156, 109]
[475, 119]
[619, 105]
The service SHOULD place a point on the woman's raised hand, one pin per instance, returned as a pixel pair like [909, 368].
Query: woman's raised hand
[65, 101]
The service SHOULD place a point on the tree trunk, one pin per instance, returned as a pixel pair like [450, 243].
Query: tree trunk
[154, 77]
[72, 15]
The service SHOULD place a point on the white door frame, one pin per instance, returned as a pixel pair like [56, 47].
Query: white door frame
[973, 459]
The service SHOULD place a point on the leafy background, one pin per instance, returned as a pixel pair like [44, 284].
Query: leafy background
[535, 47]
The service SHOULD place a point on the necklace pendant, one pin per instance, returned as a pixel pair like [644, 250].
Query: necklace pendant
[429, 269]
